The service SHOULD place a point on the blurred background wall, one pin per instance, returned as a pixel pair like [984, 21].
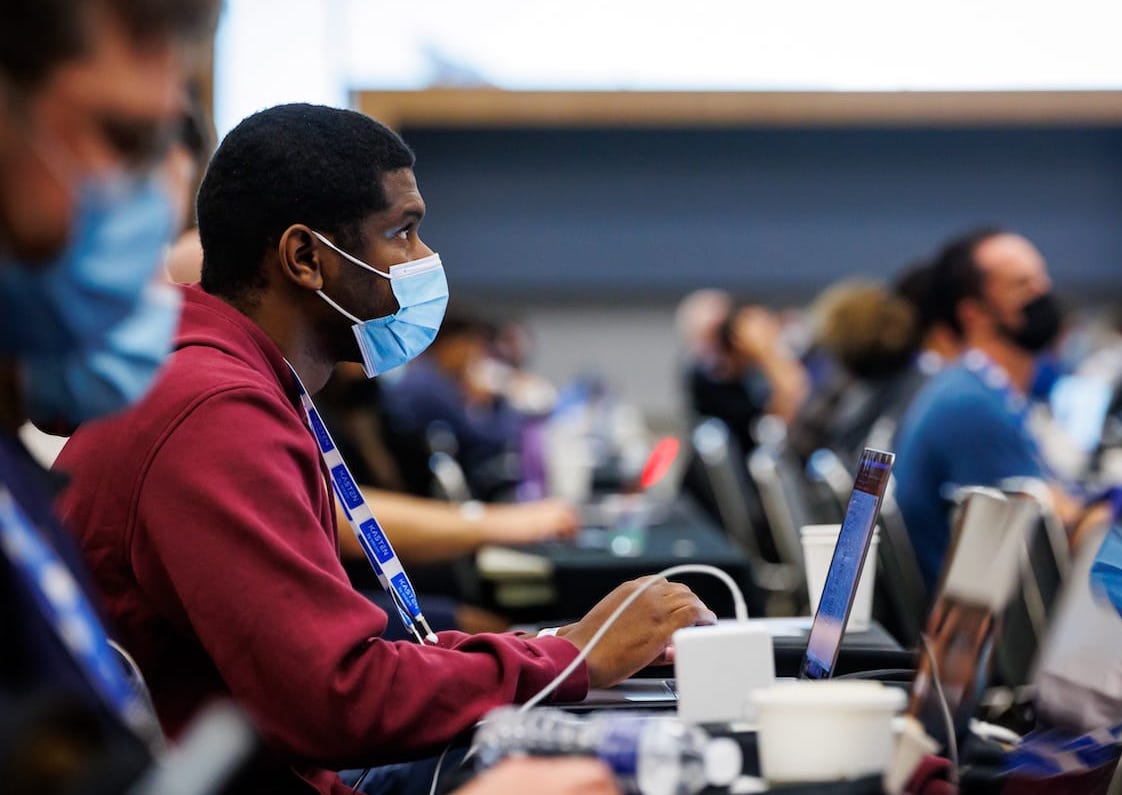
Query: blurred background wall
[593, 235]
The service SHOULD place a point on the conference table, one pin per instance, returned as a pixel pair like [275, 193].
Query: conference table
[557, 581]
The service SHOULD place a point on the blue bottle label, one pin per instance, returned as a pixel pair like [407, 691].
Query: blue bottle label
[619, 750]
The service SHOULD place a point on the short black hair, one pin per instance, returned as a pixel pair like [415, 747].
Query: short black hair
[913, 284]
[955, 275]
[290, 164]
[38, 35]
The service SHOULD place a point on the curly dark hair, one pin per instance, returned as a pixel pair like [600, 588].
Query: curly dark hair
[290, 164]
[955, 274]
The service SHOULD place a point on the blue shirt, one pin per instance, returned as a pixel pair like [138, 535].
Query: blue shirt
[964, 429]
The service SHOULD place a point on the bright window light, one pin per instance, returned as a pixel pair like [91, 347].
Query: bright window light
[271, 51]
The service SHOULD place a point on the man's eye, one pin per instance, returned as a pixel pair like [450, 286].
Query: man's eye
[139, 144]
[403, 233]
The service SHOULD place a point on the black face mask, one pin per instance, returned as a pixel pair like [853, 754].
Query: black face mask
[1041, 326]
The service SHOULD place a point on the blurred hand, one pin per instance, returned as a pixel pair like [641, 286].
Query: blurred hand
[484, 380]
[641, 635]
[756, 333]
[556, 776]
[530, 522]
[1093, 518]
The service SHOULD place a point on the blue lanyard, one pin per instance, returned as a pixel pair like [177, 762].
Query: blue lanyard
[62, 603]
[371, 537]
[996, 379]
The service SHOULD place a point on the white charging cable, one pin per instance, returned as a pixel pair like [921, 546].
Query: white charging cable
[952, 739]
[739, 607]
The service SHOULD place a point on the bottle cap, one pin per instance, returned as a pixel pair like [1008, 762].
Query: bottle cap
[723, 761]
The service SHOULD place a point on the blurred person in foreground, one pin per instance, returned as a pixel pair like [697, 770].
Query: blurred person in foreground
[214, 536]
[554, 776]
[738, 368]
[968, 426]
[91, 92]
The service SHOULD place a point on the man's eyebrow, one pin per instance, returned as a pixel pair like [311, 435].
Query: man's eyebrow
[411, 213]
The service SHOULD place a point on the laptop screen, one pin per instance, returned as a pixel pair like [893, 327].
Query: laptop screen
[1079, 405]
[845, 567]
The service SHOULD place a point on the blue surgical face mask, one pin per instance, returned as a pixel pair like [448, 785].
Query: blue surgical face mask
[421, 291]
[71, 302]
[63, 391]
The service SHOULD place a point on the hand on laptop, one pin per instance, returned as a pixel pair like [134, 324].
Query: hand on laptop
[564, 776]
[530, 522]
[642, 632]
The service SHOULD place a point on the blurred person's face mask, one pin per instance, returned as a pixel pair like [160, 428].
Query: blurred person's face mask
[88, 326]
[1041, 327]
[63, 391]
[70, 303]
[421, 290]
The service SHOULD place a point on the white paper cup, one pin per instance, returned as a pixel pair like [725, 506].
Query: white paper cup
[818, 542]
[912, 745]
[825, 731]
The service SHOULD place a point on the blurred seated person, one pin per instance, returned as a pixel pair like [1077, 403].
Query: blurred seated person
[968, 425]
[738, 366]
[424, 530]
[506, 370]
[441, 403]
[427, 533]
[939, 342]
[873, 335]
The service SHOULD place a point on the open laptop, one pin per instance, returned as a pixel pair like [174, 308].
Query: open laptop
[611, 521]
[827, 629]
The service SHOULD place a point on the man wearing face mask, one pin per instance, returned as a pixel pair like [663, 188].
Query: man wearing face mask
[89, 91]
[204, 511]
[968, 425]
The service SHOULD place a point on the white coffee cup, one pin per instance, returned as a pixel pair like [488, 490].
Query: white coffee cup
[825, 731]
[818, 542]
[912, 745]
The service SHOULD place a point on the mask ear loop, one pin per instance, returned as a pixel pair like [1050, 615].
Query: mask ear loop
[356, 261]
[349, 257]
[338, 308]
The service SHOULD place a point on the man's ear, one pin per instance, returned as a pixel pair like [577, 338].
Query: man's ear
[301, 257]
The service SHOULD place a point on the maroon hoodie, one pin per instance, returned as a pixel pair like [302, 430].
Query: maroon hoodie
[205, 518]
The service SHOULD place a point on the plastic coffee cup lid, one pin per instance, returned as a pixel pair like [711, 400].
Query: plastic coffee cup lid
[831, 694]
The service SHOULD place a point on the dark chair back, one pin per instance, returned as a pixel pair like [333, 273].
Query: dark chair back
[720, 458]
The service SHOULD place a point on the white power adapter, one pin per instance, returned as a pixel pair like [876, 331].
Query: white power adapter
[719, 667]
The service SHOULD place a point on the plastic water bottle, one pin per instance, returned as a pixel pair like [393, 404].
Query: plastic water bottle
[649, 755]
